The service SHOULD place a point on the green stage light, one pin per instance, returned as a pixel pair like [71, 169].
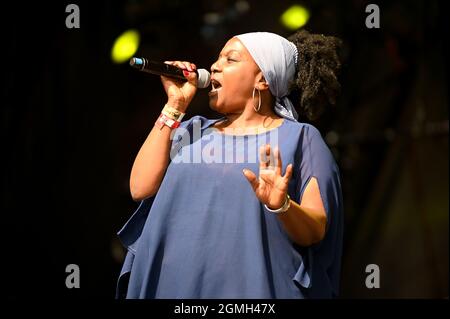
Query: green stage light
[125, 46]
[295, 17]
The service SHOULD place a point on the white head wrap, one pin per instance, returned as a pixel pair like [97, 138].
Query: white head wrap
[277, 59]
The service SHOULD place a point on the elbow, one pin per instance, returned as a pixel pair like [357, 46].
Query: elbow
[143, 186]
[315, 234]
[139, 193]
[317, 238]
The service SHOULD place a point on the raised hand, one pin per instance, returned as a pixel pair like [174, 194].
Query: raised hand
[270, 187]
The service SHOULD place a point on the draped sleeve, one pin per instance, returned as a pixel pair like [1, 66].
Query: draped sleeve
[130, 233]
[314, 159]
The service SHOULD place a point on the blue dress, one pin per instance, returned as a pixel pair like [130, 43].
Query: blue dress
[206, 235]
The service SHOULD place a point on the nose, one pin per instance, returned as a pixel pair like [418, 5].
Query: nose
[214, 67]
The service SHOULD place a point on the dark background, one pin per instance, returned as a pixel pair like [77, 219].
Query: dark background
[72, 122]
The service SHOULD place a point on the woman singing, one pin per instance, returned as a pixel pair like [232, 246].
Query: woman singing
[248, 205]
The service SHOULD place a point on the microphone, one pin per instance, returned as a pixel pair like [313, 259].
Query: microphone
[160, 68]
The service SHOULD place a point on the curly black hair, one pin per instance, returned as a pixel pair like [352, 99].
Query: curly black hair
[315, 85]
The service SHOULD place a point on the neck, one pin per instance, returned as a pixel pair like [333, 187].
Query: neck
[248, 118]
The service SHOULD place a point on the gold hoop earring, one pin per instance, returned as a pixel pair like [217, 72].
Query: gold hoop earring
[259, 100]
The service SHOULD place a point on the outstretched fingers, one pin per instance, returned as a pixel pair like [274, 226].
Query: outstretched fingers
[251, 177]
[288, 174]
[278, 163]
[263, 160]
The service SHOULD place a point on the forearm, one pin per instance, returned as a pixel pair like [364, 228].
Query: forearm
[151, 163]
[305, 226]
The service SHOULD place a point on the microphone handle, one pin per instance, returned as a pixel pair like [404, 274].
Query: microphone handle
[158, 68]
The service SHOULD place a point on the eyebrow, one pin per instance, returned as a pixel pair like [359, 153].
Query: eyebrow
[229, 51]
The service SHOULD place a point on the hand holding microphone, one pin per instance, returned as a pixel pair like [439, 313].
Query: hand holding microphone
[179, 78]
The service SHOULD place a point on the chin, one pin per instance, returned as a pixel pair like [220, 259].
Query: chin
[213, 105]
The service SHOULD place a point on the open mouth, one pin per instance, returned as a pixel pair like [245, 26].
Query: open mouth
[216, 86]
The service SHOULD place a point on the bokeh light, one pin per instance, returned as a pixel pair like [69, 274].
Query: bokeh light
[295, 17]
[125, 46]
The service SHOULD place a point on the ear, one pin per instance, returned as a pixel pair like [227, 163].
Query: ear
[261, 83]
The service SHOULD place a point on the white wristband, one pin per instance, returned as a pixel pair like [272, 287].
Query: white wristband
[283, 208]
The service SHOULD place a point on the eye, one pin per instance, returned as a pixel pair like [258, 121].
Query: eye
[230, 59]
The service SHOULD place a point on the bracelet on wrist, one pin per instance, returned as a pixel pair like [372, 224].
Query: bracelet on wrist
[165, 120]
[282, 209]
[173, 113]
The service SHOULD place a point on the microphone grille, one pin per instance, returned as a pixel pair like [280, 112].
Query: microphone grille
[204, 78]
